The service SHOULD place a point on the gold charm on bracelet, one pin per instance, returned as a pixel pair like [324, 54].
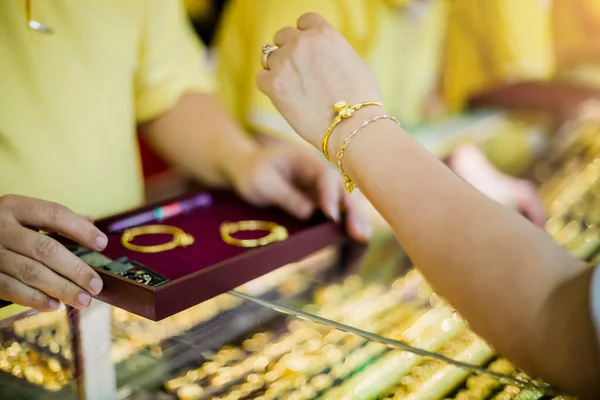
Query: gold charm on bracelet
[344, 111]
[277, 233]
[180, 238]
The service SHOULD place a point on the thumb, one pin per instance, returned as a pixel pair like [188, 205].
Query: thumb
[281, 192]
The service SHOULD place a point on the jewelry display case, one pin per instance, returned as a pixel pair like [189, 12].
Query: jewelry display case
[201, 258]
[238, 348]
[333, 325]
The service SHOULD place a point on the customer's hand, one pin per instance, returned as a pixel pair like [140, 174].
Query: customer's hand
[37, 271]
[314, 68]
[469, 163]
[297, 180]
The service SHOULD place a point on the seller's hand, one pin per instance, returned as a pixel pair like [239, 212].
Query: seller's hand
[37, 271]
[470, 164]
[297, 180]
[313, 68]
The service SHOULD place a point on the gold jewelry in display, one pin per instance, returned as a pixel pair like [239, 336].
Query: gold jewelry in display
[180, 238]
[277, 233]
[343, 111]
[348, 184]
[267, 49]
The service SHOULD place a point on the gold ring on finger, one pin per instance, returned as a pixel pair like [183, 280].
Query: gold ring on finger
[267, 49]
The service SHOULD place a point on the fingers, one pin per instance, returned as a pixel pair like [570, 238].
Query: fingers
[39, 277]
[311, 21]
[285, 35]
[55, 218]
[88, 218]
[290, 198]
[357, 221]
[332, 197]
[329, 185]
[262, 81]
[47, 251]
[19, 293]
[326, 183]
[277, 58]
[531, 207]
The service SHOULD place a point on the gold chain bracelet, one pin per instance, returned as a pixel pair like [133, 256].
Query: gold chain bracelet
[180, 238]
[348, 184]
[277, 233]
[344, 111]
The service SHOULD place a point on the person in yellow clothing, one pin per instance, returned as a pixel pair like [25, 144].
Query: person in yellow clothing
[429, 56]
[576, 29]
[77, 79]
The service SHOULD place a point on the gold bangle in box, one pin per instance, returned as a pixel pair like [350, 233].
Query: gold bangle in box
[277, 233]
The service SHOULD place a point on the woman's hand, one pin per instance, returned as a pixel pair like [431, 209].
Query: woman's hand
[37, 271]
[313, 68]
[297, 180]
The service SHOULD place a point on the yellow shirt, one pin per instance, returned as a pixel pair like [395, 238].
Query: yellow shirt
[410, 48]
[492, 42]
[70, 102]
[576, 27]
[198, 9]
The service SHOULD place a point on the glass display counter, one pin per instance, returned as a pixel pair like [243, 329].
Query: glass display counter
[233, 348]
[262, 341]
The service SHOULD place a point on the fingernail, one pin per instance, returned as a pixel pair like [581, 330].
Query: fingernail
[96, 285]
[335, 214]
[84, 299]
[101, 241]
[54, 304]
[366, 231]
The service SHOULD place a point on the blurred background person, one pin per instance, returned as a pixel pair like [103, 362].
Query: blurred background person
[75, 93]
[576, 40]
[456, 49]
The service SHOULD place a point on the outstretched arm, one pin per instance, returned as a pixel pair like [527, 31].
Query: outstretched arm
[517, 288]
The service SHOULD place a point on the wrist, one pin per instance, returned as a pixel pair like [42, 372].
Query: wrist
[345, 128]
[234, 157]
[371, 144]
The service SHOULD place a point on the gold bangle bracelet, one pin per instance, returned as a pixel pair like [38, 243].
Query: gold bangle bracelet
[277, 233]
[344, 111]
[180, 238]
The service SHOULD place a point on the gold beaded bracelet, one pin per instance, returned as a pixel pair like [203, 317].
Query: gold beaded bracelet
[348, 184]
[344, 111]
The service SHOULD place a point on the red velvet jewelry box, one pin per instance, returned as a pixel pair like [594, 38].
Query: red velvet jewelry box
[209, 267]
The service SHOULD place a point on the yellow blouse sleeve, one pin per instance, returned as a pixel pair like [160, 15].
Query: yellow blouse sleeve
[246, 26]
[494, 41]
[171, 60]
[576, 27]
